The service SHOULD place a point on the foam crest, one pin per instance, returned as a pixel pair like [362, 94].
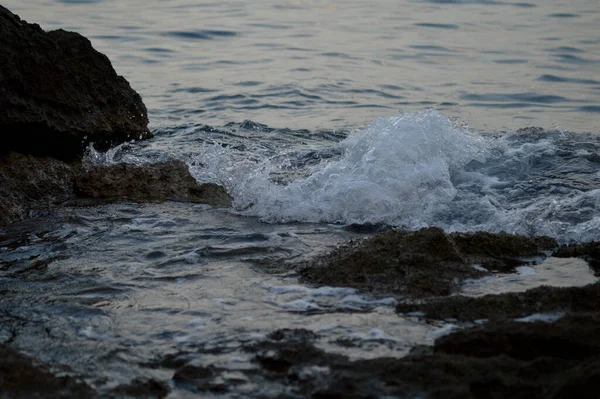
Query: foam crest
[397, 171]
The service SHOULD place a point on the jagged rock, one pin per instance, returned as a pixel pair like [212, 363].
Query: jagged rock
[57, 94]
[574, 336]
[28, 182]
[424, 263]
[510, 305]
[21, 377]
[30, 185]
[146, 388]
[165, 181]
[507, 359]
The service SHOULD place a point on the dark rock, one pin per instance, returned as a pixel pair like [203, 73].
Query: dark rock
[510, 305]
[21, 377]
[165, 181]
[57, 94]
[572, 337]
[501, 252]
[527, 360]
[30, 185]
[424, 263]
[504, 359]
[287, 348]
[28, 182]
[142, 388]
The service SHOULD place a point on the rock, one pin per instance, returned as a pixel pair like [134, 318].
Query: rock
[502, 360]
[21, 377]
[57, 94]
[142, 388]
[32, 185]
[510, 305]
[287, 348]
[424, 263]
[165, 181]
[572, 337]
[501, 252]
[28, 182]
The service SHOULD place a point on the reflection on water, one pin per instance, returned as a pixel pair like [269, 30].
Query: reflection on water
[108, 290]
[327, 64]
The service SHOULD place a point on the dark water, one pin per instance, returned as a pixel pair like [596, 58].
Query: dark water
[313, 115]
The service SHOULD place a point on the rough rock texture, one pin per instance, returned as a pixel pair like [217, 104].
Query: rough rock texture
[165, 181]
[142, 388]
[574, 336]
[28, 182]
[510, 305]
[21, 377]
[57, 94]
[503, 360]
[424, 263]
[30, 185]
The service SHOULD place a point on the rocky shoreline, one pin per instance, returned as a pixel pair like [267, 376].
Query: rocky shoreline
[540, 343]
[58, 95]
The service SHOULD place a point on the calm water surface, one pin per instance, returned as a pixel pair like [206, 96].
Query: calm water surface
[493, 64]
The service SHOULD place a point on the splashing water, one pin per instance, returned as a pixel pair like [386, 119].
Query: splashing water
[396, 171]
[418, 169]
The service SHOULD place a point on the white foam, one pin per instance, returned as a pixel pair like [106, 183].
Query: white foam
[287, 289]
[331, 291]
[396, 171]
[526, 271]
[374, 334]
[440, 332]
[360, 300]
[545, 317]
[299, 304]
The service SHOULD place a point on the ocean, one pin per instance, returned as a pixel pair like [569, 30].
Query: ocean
[470, 115]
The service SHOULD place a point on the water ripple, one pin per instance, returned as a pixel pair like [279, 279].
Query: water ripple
[201, 34]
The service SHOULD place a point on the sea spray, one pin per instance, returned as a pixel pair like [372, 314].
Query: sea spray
[397, 171]
[410, 170]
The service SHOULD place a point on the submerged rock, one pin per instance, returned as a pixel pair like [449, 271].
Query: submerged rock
[424, 263]
[57, 94]
[503, 360]
[164, 181]
[21, 377]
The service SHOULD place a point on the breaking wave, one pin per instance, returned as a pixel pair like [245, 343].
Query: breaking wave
[419, 169]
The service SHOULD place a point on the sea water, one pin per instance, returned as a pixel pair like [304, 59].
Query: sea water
[315, 115]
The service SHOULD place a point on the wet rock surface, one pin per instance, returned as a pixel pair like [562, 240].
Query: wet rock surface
[58, 94]
[509, 305]
[142, 388]
[30, 186]
[506, 359]
[28, 183]
[425, 263]
[165, 181]
[22, 377]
